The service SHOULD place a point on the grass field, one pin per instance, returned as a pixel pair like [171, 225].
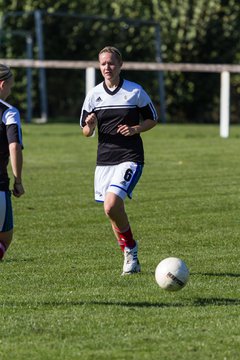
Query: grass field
[62, 296]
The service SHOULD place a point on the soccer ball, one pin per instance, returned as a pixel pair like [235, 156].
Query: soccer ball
[172, 274]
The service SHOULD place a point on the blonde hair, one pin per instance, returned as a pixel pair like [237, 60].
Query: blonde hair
[5, 72]
[112, 50]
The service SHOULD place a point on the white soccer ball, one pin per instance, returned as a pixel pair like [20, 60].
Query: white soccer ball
[172, 274]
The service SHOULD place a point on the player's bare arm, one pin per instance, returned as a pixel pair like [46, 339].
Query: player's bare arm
[126, 130]
[91, 122]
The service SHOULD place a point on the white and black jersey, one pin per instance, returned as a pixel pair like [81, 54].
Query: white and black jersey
[10, 131]
[128, 104]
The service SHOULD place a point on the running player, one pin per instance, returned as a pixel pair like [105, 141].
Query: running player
[10, 147]
[121, 110]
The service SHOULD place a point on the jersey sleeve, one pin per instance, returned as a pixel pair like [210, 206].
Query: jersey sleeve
[146, 107]
[13, 134]
[12, 121]
[87, 109]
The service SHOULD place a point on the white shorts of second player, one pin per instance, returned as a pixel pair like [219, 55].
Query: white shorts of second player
[119, 179]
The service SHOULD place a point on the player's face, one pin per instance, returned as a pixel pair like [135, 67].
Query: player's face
[5, 88]
[110, 67]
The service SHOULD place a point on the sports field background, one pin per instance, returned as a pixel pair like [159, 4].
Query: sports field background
[62, 296]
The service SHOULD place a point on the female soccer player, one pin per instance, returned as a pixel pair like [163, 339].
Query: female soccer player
[121, 110]
[10, 147]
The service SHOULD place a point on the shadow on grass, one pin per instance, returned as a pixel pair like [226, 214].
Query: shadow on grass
[199, 302]
[217, 274]
[16, 260]
[215, 302]
[196, 302]
[211, 274]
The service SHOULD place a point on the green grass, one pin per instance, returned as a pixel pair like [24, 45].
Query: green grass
[62, 296]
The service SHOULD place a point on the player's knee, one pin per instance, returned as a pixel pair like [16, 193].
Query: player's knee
[109, 209]
[5, 241]
[2, 250]
[113, 210]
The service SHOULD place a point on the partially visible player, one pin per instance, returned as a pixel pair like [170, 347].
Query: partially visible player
[121, 110]
[10, 148]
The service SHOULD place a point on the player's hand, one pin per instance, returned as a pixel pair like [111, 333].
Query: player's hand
[18, 189]
[91, 120]
[126, 130]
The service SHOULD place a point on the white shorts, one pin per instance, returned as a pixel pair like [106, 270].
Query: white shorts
[119, 179]
[6, 215]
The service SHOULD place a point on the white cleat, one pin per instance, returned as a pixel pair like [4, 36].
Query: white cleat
[131, 263]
